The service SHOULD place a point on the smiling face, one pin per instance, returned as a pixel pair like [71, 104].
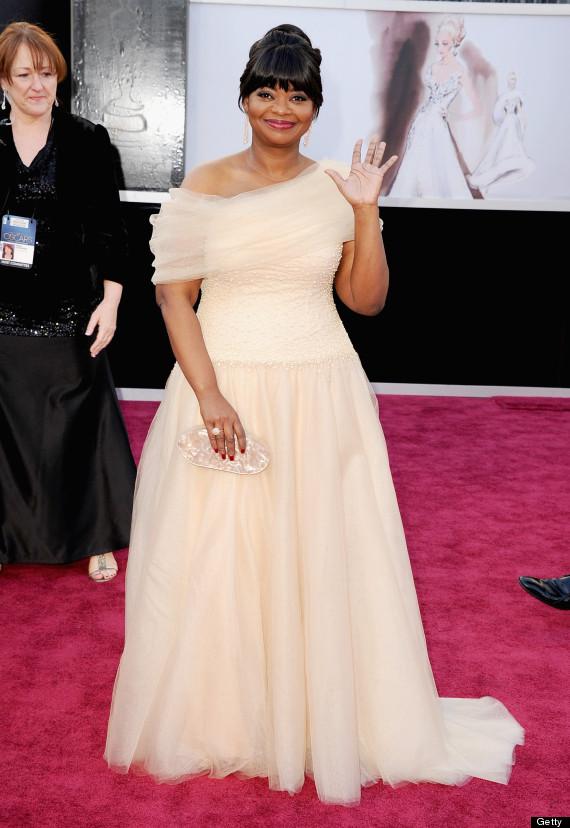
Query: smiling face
[279, 117]
[30, 89]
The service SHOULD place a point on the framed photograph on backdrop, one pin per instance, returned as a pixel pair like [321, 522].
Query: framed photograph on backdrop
[472, 97]
[129, 74]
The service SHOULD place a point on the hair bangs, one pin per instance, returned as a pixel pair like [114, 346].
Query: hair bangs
[285, 68]
[43, 50]
[40, 58]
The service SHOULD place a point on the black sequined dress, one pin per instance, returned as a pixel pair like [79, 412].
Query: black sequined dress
[66, 469]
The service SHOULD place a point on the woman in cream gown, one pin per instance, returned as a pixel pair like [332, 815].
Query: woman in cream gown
[272, 625]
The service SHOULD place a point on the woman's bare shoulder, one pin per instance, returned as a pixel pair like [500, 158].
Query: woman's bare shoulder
[211, 178]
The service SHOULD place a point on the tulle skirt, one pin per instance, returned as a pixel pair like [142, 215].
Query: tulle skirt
[272, 623]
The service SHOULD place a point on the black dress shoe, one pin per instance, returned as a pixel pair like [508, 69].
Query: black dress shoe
[552, 591]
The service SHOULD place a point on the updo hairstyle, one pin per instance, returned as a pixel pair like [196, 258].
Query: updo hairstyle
[284, 58]
[456, 29]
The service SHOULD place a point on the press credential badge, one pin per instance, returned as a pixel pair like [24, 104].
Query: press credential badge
[17, 241]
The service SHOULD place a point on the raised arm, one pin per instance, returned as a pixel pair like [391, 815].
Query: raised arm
[361, 281]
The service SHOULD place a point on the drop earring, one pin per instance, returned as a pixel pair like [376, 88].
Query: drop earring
[245, 129]
[307, 136]
[56, 102]
[3, 99]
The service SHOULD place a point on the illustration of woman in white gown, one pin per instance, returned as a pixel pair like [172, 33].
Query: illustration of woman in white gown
[506, 158]
[272, 623]
[431, 167]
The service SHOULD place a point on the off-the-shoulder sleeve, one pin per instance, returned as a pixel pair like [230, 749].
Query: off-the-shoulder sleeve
[179, 235]
[206, 236]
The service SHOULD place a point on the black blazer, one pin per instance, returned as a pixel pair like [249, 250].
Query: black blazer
[88, 195]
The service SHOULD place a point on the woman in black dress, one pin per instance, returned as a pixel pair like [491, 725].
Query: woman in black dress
[66, 470]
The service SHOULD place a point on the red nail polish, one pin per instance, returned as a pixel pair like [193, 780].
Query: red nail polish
[231, 457]
[223, 456]
[216, 450]
[242, 451]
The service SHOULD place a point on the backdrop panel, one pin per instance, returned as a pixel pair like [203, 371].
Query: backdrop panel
[129, 75]
[492, 133]
[475, 297]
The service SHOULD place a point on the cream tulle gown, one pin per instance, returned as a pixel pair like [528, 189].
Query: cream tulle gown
[272, 624]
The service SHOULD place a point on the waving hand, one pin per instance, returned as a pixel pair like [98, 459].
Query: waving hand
[365, 179]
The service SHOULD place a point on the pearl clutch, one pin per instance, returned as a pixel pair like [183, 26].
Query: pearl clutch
[196, 447]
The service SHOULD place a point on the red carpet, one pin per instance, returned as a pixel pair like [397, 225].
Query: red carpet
[485, 495]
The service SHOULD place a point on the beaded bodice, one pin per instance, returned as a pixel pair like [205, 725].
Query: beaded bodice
[279, 313]
[441, 94]
[268, 260]
[439, 98]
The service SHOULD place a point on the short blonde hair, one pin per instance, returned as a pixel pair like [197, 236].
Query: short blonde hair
[41, 45]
